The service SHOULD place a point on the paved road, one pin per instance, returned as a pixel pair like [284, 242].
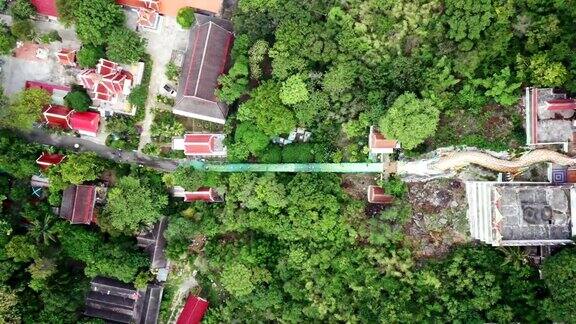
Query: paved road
[42, 137]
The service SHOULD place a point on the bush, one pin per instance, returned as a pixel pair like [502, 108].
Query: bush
[50, 37]
[165, 100]
[152, 149]
[89, 55]
[395, 187]
[138, 96]
[23, 29]
[298, 153]
[7, 40]
[22, 10]
[2, 5]
[272, 154]
[78, 99]
[172, 72]
[186, 17]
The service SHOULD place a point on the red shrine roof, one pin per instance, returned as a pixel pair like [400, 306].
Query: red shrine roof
[148, 18]
[86, 122]
[202, 194]
[56, 115]
[201, 144]
[67, 57]
[171, 7]
[561, 104]
[45, 86]
[376, 195]
[193, 310]
[378, 143]
[45, 7]
[106, 81]
[78, 204]
[46, 160]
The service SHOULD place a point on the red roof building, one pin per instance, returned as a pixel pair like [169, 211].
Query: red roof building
[376, 195]
[45, 8]
[201, 145]
[78, 204]
[379, 144]
[202, 194]
[58, 92]
[51, 88]
[561, 104]
[193, 311]
[67, 57]
[86, 123]
[47, 160]
[106, 82]
[206, 59]
[171, 7]
[148, 18]
[57, 116]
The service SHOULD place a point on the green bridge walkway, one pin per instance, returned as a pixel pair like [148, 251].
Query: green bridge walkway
[292, 167]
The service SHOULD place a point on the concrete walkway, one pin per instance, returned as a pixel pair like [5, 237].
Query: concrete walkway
[160, 45]
[68, 142]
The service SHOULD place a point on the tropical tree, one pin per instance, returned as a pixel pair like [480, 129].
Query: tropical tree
[76, 169]
[266, 111]
[89, 55]
[186, 17]
[7, 40]
[132, 206]
[410, 120]
[25, 109]
[125, 46]
[294, 90]
[559, 272]
[22, 10]
[96, 19]
[78, 99]
[236, 279]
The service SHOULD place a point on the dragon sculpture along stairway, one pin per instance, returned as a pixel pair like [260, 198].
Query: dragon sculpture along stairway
[448, 163]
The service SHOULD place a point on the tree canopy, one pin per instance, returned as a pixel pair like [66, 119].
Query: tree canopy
[132, 206]
[25, 109]
[125, 46]
[410, 120]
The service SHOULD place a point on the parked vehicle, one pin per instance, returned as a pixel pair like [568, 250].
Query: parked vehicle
[170, 90]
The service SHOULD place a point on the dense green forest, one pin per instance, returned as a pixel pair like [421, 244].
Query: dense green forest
[297, 248]
[431, 73]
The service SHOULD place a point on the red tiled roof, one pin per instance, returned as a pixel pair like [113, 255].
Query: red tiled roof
[376, 195]
[85, 122]
[78, 204]
[104, 82]
[171, 7]
[198, 144]
[45, 86]
[45, 7]
[377, 140]
[147, 17]
[46, 160]
[56, 115]
[206, 61]
[193, 310]
[67, 57]
[202, 194]
[561, 104]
